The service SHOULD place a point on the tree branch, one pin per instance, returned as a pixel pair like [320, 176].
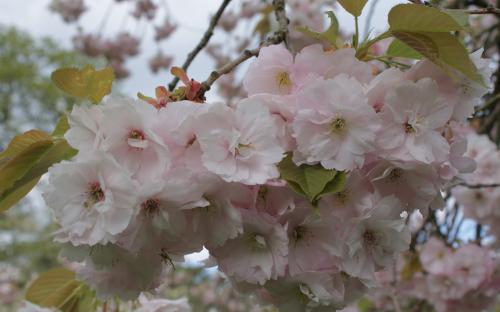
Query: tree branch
[488, 10]
[203, 42]
[477, 186]
[277, 37]
[279, 11]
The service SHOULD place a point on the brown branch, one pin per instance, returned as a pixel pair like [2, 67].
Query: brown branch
[488, 10]
[277, 37]
[203, 42]
[476, 186]
[280, 13]
[227, 68]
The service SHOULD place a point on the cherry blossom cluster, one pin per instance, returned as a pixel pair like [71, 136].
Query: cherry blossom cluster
[444, 278]
[115, 50]
[70, 10]
[481, 203]
[153, 184]
[122, 45]
[255, 20]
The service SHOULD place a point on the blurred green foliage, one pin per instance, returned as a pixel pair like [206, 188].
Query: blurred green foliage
[28, 98]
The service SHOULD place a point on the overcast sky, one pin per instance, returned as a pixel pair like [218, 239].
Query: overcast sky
[192, 15]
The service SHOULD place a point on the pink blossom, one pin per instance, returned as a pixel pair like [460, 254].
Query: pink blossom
[92, 198]
[271, 72]
[413, 116]
[313, 60]
[334, 125]
[258, 254]
[239, 145]
[128, 136]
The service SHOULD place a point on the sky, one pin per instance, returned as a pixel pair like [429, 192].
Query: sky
[192, 16]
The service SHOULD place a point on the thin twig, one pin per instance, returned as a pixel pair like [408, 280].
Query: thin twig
[488, 10]
[203, 42]
[476, 186]
[280, 13]
[277, 37]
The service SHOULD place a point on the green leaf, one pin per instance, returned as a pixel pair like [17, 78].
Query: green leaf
[365, 305]
[85, 83]
[417, 18]
[25, 160]
[399, 49]
[355, 7]
[61, 127]
[57, 288]
[58, 151]
[310, 181]
[88, 300]
[21, 142]
[411, 266]
[10, 198]
[48, 284]
[460, 16]
[334, 186]
[22, 154]
[443, 49]
[329, 35]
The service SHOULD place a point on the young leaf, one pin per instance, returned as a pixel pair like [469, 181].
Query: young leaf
[460, 16]
[399, 49]
[58, 150]
[310, 181]
[335, 185]
[25, 160]
[21, 142]
[100, 83]
[86, 83]
[411, 266]
[22, 154]
[329, 35]
[61, 127]
[47, 284]
[10, 198]
[417, 18]
[443, 49]
[355, 7]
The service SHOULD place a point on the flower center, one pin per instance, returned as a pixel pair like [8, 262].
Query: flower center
[136, 134]
[150, 207]
[370, 238]
[95, 194]
[242, 149]
[307, 293]
[260, 241]
[137, 139]
[409, 129]
[342, 196]
[395, 174]
[299, 233]
[338, 125]
[283, 80]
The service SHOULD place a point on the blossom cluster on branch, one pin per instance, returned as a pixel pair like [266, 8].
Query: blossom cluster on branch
[439, 278]
[152, 184]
